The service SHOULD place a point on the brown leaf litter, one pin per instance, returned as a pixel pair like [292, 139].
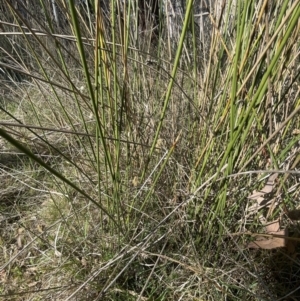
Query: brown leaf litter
[274, 237]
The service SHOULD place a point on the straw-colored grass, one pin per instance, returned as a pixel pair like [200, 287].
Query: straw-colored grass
[128, 153]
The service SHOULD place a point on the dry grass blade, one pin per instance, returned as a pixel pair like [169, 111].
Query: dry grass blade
[134, 139]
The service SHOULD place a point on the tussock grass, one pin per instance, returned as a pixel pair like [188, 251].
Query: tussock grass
[128, 153]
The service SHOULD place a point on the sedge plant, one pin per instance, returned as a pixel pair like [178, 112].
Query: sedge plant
[130, 144]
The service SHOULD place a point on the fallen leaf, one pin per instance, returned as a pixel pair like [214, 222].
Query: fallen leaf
[273, 227]
[258, 195]
[268, 244]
